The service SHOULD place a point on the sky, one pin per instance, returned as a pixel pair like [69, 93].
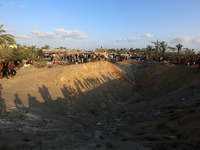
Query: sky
[90, 24]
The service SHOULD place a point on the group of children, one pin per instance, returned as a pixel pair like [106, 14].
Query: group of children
[7, 69]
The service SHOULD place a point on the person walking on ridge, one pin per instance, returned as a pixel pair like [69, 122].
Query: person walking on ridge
[5, 69]
[12, 69]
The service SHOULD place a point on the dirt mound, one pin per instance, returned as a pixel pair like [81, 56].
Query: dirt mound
[160, 79]
[70, 89]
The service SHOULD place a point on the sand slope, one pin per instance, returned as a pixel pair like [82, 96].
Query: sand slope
[101, 81]
[101, 105]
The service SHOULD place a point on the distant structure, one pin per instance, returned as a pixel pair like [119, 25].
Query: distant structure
[63, 51]
[10, 46]
[101, 50]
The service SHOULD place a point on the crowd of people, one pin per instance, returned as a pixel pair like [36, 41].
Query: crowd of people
[190, 62]
[7, 69]
[79, 58]
[89, 57]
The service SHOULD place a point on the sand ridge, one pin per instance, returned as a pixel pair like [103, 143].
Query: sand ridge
[63, 82]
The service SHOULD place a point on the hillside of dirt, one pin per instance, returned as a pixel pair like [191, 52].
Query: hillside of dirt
[79, 87]
[101, 105]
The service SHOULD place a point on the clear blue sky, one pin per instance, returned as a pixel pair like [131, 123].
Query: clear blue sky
[90, 24]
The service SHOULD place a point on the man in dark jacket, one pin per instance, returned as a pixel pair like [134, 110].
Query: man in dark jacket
[5, 69]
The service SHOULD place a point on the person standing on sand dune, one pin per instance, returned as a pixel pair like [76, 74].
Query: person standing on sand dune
[198, 62]
[5, 69]
[12, 69]
[99, 57]
[89, 56]
[0, 69]
[178, 61]
[106, 57]
[85, 58]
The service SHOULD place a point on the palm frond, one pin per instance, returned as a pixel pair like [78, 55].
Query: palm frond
[2, 31]
[6, 38]
[1, 26]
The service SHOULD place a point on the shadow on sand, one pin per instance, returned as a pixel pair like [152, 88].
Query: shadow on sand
[2, 102]
[84, 96]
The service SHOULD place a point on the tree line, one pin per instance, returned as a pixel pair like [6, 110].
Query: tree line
[158, 49]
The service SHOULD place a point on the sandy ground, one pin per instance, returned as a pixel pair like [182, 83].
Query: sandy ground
[101, 105]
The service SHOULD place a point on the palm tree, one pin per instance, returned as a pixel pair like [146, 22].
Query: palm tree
[179, 46]
[6, 38]
[46, 47]
[149, 49]
[163, 46]
[157, 45]
[172, 48]
[18, 45]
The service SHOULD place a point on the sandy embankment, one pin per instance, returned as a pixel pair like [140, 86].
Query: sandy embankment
[101, 81]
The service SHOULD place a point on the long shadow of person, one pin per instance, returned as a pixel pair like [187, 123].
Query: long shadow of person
[18, 102]
[2, 102]
[45, 94]
[66, 92]
[33, 102]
